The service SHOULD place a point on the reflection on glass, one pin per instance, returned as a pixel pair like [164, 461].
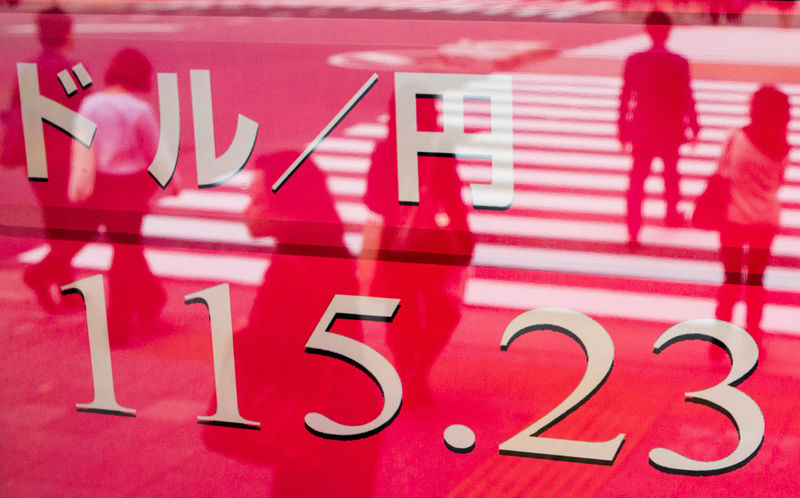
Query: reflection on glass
[435, 233]
[460, 273]
[54, 28]
[754, 161]
[656, 112]
[109, 182]
[278, 383]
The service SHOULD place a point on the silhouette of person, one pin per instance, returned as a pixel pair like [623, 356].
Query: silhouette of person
[279, 383]
[110, 181]
[656, 113]
[60, 220]
[754, 160]
[436, 233]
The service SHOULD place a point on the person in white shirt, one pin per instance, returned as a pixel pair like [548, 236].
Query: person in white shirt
[754, 160]
[110, 179]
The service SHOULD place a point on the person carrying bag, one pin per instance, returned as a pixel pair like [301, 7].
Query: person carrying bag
[711, 207]
[753, 164]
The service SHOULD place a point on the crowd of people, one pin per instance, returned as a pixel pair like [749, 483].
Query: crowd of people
[717, 11]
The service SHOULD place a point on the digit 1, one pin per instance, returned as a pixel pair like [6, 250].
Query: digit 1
[94, 298]
[217, 300]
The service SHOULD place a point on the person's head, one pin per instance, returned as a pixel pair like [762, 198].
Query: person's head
[770, 108]
[131, 70]
[769, 122]
[658, 25]
[54, 27]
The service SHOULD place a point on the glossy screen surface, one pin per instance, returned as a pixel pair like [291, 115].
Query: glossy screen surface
[360, 249]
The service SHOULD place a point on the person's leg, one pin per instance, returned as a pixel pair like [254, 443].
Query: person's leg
[672, 188]
[714, 8]
[639, 172]
[65, 238]
[134, 291]
[122, 279]
[755, 299]
[732, 255]
[441, 313]
[757, 260]
[403, 341]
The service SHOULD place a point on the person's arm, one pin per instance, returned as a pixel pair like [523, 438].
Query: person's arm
[725, 162]
[83, 167]
[690, 112]
[148, 130]
[623, 119]
[83, 161]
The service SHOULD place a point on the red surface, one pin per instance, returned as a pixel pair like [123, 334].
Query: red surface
[277, 73]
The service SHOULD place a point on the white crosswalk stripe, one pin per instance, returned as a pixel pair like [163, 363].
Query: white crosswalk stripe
[570, 182]
[525, 9]
[725, 44]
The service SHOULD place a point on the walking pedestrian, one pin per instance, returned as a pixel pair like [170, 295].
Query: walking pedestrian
[754, 161]
[656, 115]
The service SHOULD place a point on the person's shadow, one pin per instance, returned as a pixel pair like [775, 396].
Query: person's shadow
[278, 382]
[423, 252]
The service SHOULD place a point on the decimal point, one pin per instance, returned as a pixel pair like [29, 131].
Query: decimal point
[459, 438]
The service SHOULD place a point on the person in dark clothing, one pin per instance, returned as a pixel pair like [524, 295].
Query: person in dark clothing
[60, 220]
[656, 115]
[435, 233]
[278, 381]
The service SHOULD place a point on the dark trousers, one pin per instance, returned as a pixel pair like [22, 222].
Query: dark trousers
[745, 253]
[642, 162]
[119, 203]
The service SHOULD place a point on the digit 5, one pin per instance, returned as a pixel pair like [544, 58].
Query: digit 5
[327, 343]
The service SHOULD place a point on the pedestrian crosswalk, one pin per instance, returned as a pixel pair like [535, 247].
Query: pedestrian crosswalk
[723, 44]
[568, 215]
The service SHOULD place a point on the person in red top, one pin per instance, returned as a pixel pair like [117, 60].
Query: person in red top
[754, 160]
[655, 113]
